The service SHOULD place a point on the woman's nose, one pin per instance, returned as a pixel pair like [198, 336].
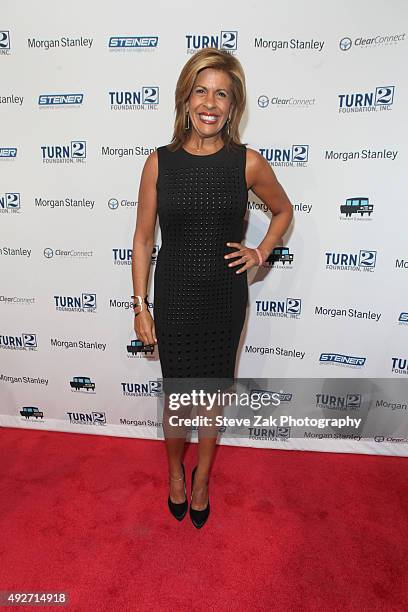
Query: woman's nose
[210, 100]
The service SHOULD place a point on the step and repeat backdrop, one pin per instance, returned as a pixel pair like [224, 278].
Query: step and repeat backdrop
[87, 92]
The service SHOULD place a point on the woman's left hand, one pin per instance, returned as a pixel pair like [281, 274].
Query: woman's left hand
[247, 256]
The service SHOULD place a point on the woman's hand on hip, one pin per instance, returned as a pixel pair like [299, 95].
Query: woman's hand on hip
[248, 257]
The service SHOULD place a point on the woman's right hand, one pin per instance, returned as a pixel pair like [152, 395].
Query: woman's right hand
[144, 327]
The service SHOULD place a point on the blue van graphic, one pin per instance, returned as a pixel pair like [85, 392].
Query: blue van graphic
[31, 411]
[356, 205]
[137, 346]
[280, 254]
[82, 382]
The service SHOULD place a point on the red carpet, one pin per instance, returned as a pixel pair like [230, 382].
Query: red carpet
[288, 531]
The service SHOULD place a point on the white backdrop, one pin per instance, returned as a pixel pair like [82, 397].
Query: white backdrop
[88, 91]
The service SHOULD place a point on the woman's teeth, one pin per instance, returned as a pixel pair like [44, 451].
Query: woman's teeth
[208, 118]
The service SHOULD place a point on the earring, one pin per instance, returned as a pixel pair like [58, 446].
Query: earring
[228, 126]
[187, 123]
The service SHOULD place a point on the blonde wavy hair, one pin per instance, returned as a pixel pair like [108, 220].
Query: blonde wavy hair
[218, 60]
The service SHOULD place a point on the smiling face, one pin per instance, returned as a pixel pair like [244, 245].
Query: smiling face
[211, 102]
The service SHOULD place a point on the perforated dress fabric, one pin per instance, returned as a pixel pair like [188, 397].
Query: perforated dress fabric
[199, 302]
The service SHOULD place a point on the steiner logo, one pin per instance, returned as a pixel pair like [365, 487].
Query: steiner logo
[342, 360]
[8, 152]
[60, 99]
[4, 42]
[133, 43]
[84, 303]
[25, 342]
[146, 98]
[289, 308]
[403, 318]
[355, 262]
[10, 202]
[380, 99]
[226, 40]
[296, 155]
[69, 154]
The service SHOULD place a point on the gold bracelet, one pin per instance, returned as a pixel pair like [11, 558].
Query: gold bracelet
[140, 303]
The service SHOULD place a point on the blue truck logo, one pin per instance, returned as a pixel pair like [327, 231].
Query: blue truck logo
[82, 382]
[356, 205]
[280, 254]
[31, 411]
[137, 346]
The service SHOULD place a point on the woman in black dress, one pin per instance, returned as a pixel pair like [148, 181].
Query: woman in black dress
[198, 187]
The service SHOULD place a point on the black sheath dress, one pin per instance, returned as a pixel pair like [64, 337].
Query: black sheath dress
[199, 302]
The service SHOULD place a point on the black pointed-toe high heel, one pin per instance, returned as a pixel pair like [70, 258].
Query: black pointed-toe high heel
[198, 517]
[179, 510]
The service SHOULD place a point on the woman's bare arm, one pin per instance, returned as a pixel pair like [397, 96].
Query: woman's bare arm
[143, 242]
[262, 180]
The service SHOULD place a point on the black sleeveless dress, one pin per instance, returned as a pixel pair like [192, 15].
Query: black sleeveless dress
[199, 302]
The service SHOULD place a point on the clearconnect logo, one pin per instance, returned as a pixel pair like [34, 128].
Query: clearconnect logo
[114, 203]
[345, 44]
[263, 101]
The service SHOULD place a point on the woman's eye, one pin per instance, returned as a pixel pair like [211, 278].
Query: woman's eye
[223, 94]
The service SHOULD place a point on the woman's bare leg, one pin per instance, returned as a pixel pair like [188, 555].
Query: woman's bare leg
[175, 438]
[208, 437]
